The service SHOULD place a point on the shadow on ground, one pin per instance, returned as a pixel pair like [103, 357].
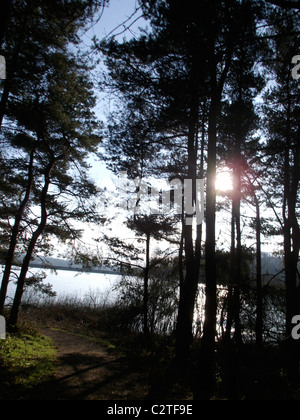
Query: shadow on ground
[88, 371]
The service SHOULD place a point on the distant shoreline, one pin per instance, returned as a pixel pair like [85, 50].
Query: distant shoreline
[75, 269]
[57, 264]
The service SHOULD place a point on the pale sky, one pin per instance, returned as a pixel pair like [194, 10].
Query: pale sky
[118, 13]
[113, 17]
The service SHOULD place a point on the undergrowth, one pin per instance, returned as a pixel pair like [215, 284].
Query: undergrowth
[27, 360]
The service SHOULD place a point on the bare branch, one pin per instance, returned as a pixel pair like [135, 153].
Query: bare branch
[286, 4]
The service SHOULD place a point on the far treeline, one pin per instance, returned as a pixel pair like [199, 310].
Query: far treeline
[208, 86]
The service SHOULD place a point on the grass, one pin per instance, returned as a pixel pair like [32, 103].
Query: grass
[27, 360]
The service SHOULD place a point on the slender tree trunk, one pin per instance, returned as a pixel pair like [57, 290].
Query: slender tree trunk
[292, 307]
[14, 314]
[4, 99]
[237, 245]
[180, 256]
[13, 66]
[291, 255]
[207, 357]
[230, 297]
[146, 287]
[4, 19]
[259, 294]
[206, 372]
[186, 305]
[291, 245]
[14, 235]
[184, 331]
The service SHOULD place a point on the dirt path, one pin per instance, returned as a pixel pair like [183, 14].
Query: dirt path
[87, 371]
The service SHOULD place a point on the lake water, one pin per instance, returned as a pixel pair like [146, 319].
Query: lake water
[98, 289]
[79, 285]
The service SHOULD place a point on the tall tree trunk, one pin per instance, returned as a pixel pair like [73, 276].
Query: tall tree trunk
[206, 372]
[259, 293]
[291, 255]
[4, 19]
[180, 256]
[146, 287]
[230, 296]
[237, 245]
[291, 243]
[12, 66]
[14, 236]
[14, 314]
[188, 291]
[207, 356]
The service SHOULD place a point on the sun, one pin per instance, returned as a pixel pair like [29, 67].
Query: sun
[224, 182]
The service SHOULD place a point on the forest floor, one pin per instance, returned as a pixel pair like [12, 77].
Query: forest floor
[86, 370]
[86, 361]
[71, 353]
[41, 363]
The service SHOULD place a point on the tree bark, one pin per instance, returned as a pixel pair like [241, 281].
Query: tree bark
[188, 289]
[207, 356]
[259, 294]
[146, 287]
[12, 65]
[206, 372]
[14, 235]
[14, 314]
[237, 240]
[291, 242]
[4, 19]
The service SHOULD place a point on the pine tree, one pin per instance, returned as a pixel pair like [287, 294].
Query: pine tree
[182, 68]
[34, 27]
[66, 134]
[57, 130]
[238, 135]
[282, 119]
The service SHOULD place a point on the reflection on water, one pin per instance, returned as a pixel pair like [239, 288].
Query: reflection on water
[199, 315]
[102, 288]
[274, 314]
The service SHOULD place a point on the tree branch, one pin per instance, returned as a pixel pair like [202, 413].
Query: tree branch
[286, 4]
